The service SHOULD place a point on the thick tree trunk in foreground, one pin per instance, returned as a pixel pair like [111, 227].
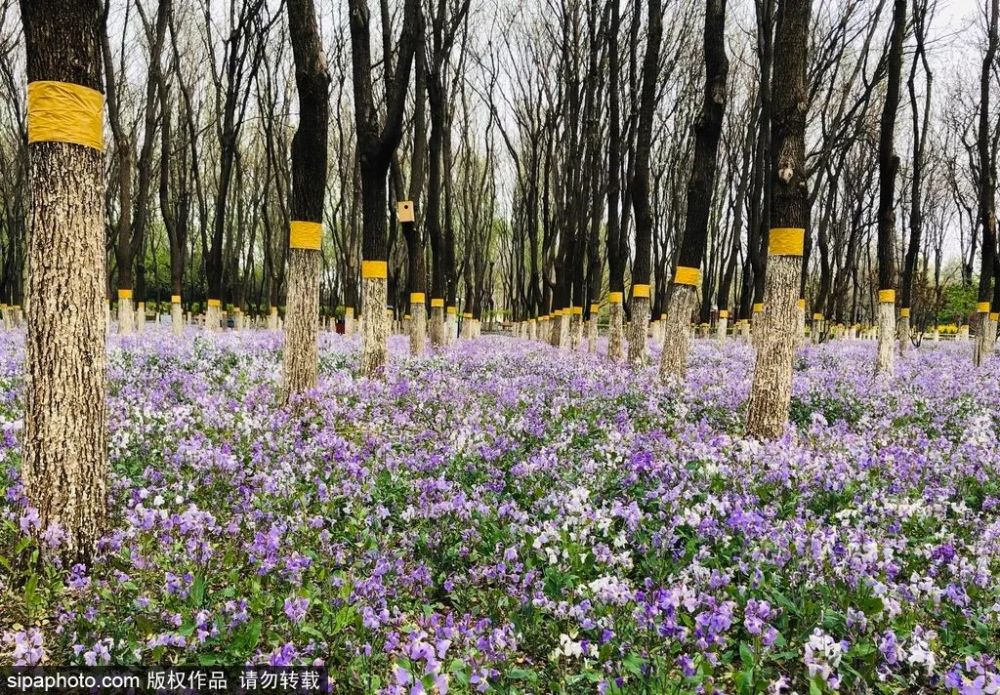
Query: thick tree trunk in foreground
[708, 131]
[65, 466]
[888, 163]
[771, 391]
[301, 357]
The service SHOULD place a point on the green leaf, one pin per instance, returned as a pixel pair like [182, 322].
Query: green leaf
[633, 663]
[198, 590]
[746, 655]
[521, 674]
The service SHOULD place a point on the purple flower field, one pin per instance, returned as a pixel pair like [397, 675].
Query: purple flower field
[507, 517]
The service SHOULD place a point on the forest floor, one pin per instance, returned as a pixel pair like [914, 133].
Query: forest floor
[506, 516]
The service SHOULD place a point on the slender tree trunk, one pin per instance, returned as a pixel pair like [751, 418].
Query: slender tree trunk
[301, 358]
[708, 130]
[771, 390]
[375, 149]
[616, 260]
[985, 335]
[888, 164]
[65, 466]
[641, 203]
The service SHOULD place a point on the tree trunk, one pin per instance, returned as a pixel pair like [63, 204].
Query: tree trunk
[437, 322]
[888, 164]
[616, 328]
[375, 327]
[771, 390]
[673, 361]
[176, 314]
[987, 191]
[641, 203]
[309, 151]
[418, 326]
[65, 465]
[708, 131]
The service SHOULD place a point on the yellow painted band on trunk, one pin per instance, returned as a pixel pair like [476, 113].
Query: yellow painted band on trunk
[417, 298]
[640, 291]
[578, 311]
[437, 304]
[723, 313]
[817, 317]
[983, 307]
[374, 270]
[175, 299]
[686, 275]
[595, 308]
[124, 294]
[615, 297]
[466, 315]
[65, 112]
[887, 296]
[452, 310]
[406, 317]
[274, 311]
[904, 313]
[348, 311]
[786, 241]
[758, 307]
[994, 315]
[663, 317]
[216, 303]
[305, 235]
[801, 304]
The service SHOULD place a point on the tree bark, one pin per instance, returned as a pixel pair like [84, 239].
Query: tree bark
[641, 198]
[701, 185]
[771, 390]
[375, 148]
[985, 339]
[309, 153]
[65, 463]
[888, 164]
